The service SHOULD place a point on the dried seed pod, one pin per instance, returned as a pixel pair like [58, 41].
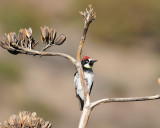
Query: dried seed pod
[13, 37]
[26, 42]
[45, 33]
[52, 35]
[22, 34]
[3, 44]
[60, 40]
[25, 120]
[23, 37]
[8, 41]
[9, 38]
[28, 32]
[5, 39]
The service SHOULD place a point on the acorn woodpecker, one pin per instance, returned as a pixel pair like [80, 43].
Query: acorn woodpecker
[87, 64]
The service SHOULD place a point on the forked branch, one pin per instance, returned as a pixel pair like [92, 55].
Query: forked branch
[89, 16]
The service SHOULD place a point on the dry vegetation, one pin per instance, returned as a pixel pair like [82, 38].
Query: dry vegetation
[24, 43]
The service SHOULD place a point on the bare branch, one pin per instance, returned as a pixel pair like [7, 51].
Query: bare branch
[130, 99]
[47, 46]
[89, 16]
[87, 110]
[84, 117]
[33, 52]
[20, 50]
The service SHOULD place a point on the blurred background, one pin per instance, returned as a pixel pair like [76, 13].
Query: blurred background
[125, 39]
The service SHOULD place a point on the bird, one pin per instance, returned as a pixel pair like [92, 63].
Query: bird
[87, 64]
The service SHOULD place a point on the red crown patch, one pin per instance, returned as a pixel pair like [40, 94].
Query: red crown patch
[86, 57]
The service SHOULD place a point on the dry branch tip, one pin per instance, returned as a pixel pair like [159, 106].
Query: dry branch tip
[89, 15]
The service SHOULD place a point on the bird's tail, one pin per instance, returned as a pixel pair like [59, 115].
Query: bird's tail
[81, 103]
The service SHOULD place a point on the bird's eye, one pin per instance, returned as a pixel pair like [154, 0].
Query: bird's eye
[87, 61]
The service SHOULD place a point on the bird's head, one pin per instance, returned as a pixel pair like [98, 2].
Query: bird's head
[87, 62]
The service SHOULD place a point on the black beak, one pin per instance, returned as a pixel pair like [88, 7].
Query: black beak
[94, 61]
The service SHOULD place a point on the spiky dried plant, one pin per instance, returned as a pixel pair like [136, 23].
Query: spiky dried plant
[25, 120]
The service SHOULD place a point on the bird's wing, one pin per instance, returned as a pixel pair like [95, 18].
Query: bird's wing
[89, 82]
[90, 88]
[81, 102]
[76, 76]
[75, 73]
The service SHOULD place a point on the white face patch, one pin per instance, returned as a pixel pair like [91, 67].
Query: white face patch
[87, 65]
